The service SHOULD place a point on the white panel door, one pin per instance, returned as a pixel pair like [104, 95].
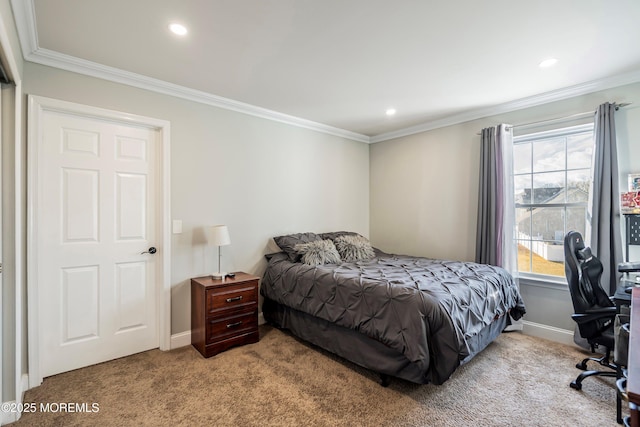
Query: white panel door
[97, 215]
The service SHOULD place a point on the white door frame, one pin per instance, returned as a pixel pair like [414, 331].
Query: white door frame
[37, 105]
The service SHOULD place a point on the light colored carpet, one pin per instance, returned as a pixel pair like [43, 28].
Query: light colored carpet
[280, 381]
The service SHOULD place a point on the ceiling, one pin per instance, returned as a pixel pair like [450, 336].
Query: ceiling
[338, 65]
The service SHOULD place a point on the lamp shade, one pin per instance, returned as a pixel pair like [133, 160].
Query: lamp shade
[219, 235]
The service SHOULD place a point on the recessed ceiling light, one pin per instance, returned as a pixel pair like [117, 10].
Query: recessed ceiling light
[548, 63]
[178, 29]
[390, 111]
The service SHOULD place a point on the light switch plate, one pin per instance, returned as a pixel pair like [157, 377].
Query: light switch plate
[177, 226]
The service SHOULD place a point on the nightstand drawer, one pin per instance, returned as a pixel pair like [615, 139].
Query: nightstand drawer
[231, 297]
[219, 329]
[233, 341]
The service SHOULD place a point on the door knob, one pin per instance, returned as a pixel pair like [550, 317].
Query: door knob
[151, 251]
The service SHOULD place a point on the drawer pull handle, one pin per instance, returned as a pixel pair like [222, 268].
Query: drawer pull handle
[233, 325]
[234, 299]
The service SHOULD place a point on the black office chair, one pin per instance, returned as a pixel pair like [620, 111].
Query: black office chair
[594, 312]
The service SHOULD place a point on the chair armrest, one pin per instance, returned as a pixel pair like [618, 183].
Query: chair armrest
[611, 311]
[595, 314]
[628, 267]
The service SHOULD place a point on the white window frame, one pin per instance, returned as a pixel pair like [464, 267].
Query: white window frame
[537, 278]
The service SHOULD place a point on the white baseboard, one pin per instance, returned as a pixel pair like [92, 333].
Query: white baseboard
[550, 333]
[183, 339]
[8, 417]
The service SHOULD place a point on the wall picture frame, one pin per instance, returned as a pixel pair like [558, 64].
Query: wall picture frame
[634, 182]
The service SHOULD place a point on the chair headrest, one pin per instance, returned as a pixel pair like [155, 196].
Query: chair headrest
[584, 254]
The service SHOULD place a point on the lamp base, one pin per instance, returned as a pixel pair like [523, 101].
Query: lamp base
[218, 275]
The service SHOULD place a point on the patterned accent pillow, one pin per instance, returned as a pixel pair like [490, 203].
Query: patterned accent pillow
[354, 248]
[318, 252]
[288, 243]
[335, 234]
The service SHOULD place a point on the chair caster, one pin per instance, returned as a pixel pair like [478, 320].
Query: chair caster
[582, 366]
[576, 386]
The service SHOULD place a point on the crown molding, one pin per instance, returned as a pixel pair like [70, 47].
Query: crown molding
[531, 101]
[24, 14]
[25, 19]
[81, 66]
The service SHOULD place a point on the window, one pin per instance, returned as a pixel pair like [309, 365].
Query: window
[552, 173]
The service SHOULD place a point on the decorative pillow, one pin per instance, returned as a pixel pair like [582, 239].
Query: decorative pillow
[318, 252]
[287, 243]
[354, 248]
[335, 234]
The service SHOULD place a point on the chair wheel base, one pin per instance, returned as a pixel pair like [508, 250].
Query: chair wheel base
[582, 366]
[576, 386]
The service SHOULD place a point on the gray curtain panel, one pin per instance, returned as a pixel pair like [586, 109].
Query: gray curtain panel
[604, 210]
[489, 233]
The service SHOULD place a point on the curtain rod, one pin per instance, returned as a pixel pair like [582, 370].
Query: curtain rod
[561, 119]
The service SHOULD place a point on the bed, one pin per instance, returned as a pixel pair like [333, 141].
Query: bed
[400, 316]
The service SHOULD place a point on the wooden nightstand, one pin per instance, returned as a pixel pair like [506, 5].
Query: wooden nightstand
[224, 312]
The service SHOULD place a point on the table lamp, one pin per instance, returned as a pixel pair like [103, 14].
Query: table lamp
[219, 236]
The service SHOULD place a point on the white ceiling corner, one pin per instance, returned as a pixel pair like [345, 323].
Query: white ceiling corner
[26, 25]
[532, 101]
[348, 121]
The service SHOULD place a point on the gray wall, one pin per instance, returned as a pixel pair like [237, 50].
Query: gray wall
[261, 178]
[265, 178]
[424, 191]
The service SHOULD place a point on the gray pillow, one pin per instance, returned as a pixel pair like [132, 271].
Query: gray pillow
[288, 242]
[335, 234]
[318, 252]
[354, 248]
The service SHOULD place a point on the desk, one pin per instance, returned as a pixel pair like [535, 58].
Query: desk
[633, 381]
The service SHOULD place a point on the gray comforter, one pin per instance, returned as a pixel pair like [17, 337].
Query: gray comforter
[425, 309]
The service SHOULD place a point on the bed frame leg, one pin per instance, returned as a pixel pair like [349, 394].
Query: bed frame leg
[385, 380]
